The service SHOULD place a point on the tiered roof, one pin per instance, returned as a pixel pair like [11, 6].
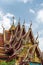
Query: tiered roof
[18, 43]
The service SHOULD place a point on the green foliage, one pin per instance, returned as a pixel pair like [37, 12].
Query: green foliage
[11, 62]
[8, 63]
[3, 63]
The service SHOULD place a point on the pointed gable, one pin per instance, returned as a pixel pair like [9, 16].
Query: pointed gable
[23, 30]
[31, 36]
[35, 52]
[12, 27]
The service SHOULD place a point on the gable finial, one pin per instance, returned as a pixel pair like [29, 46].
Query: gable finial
[31, 24]
[24, 22]
[37, 38]
[37, 35]
[19, 21]
[3, 28]
[13, 19]
[4, 37]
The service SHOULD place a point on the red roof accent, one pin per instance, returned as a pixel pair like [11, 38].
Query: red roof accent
[1, 40]
[7, 35]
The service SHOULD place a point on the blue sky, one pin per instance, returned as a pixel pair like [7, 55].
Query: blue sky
[30, 10]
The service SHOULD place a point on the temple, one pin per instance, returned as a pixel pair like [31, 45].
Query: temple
[18, 44]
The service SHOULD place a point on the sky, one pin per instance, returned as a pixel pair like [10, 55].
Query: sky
[30, 10]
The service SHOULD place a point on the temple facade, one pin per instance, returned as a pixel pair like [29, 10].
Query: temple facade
[18, 44]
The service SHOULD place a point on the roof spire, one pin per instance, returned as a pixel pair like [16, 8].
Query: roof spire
[12, 26]
[4, 33]
[23, 28]
[24, 23]
[19, 21]
[31, 24]
[13, 19]
[37, 36]
[3, 28]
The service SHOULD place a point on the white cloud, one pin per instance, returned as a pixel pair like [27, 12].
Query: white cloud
[27, 24]
[1, 13]
[31, 11]
[41, 32]
[5, 20]
[1, 30]
[9, 15]
[39, 16]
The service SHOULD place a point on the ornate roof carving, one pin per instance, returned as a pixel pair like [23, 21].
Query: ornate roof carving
[19, 43]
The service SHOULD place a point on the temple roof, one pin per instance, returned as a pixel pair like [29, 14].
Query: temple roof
[21, 39]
